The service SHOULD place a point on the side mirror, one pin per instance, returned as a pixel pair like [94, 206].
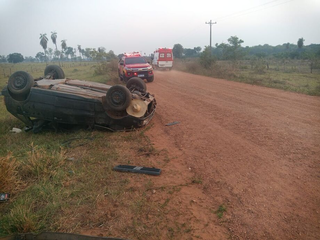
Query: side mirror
[121, 63]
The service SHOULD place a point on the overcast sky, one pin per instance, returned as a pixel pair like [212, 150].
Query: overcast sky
[144, 25]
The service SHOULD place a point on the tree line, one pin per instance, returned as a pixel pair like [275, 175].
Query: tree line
[65, 53]
[233, 50]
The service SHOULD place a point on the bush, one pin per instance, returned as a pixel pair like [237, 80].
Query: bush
[101, 68]
[105, 67]
[206, 58]
[193, 67]
[259, 66]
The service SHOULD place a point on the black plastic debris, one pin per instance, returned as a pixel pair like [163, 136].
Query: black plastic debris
[137, 169]
[172, 123]
[4, 197]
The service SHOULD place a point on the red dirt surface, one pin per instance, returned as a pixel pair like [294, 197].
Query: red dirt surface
[254, 150]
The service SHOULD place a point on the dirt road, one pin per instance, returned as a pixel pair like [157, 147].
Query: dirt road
[253, 150]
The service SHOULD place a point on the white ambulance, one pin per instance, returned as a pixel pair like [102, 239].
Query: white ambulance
[162, 58]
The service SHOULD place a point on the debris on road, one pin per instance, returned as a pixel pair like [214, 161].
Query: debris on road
[172, 123]
[137, 169]
[4, 197]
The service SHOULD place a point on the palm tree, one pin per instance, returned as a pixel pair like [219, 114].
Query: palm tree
[54, 38]
[64, 45]
[44, 44]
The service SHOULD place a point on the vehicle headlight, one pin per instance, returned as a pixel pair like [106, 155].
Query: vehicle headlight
[129, 69]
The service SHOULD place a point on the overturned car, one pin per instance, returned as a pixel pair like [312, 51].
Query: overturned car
[55, 100]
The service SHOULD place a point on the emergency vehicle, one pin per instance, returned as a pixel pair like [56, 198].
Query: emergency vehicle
[134, 65]
[163, 58]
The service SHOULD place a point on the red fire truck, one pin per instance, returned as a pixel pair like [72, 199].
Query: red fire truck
[162, 58]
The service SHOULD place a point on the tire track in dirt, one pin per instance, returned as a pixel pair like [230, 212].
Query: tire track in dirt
[256, 149]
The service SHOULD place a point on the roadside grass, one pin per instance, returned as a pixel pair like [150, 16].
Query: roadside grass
[64, 181]
[295, 77]
[69, 187]
[75, 70]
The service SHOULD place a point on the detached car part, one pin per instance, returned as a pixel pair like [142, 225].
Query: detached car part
[137, 169]
[55, 99]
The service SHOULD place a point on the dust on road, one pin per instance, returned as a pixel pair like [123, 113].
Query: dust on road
[252, 149]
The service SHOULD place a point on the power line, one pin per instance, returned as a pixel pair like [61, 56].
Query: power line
[254, 9]
[232, 14]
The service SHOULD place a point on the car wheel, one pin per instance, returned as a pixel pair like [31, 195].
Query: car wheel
[136, 83]
[150, 79]
[54, 72]
[118, 97]
[19, 84]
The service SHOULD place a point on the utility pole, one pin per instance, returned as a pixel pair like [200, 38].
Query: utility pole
[210, 33]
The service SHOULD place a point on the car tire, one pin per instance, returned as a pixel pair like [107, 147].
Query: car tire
[150, 79]
[136, 83]
[118, 98]
[19, 85]
[54, 72]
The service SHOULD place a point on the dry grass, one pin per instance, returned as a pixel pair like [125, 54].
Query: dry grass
[291, 76]
[9, 177]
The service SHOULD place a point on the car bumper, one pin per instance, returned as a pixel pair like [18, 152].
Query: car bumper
[142, 75]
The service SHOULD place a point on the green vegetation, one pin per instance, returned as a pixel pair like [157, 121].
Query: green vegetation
[177, 50]
[289, 75]
[14, 58]
[290, 67]
[44, 44]
[66, 54]
[232, 50]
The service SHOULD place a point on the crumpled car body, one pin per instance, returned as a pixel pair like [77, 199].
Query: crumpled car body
[77, 102]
